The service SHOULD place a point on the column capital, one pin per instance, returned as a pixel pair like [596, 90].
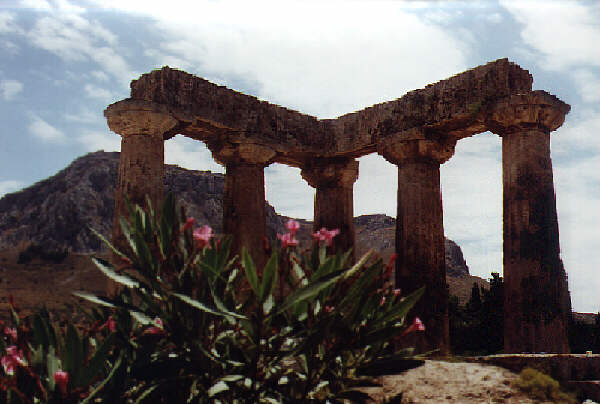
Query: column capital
[331, 173]
[534, 110]
[414, 146]
[242, 153]
[140, 122]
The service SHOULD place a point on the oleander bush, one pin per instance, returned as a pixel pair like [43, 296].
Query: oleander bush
[191, 323]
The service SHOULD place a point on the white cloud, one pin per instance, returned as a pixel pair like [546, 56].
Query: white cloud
[99, 75]
[288, 193]
[66, 32]
[588, 84]
[190, 154]
[10, 88]
[94, 141]
[566, 33]
[323, 58]
[39, 5]
[7, 23]
[9, 186]
[44, 131]
[85, 116]
[93, 91]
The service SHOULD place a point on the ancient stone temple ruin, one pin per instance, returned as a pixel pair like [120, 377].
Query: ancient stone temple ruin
[417, 132]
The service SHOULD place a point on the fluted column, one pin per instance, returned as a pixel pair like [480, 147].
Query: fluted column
[141, 164]
[334, 180]
[537, 304]
[244, 216]
[420, 231]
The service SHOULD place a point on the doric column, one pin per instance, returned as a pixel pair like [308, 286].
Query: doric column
[537, 304]
[420, 230]
[141, 164]
[244, 215]
[334, 180]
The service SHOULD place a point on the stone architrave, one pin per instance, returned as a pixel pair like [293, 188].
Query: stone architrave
[537, 304]
[334, 198]
[420, 230]
[244, 216]
[141, 164]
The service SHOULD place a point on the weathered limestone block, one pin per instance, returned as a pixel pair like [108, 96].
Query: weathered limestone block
[141, 165]
[334, 198]
[536, 297]
[420, 231]
[244, 216]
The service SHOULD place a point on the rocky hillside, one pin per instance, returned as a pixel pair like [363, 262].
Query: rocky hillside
[58, 212]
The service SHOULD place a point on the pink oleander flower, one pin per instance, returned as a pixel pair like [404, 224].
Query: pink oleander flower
[189, 223]
[11, 332]
[287, 240]
[417, 325]
[382, 301]
[61, 378]
[292, 226]
[157, 329]
[203, 235]
[397, 292]
[329, 309]
[11, 360]
[111, 324]
[326, 235]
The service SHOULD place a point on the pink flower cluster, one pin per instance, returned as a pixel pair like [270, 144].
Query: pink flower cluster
[61, 378]
[156, 329]
[325, 235]
[417, 325]
[202, 234]
[12, 360]
[289, 239]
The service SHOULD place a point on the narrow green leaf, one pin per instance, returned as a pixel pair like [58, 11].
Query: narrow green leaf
[310, 291]
[106, 242]
[146, 393]
[206, 308]
[107, 269]
[92, 396]
[74, 354]
[268, 278]
[40, 333]
[97, 363]
[250, 269]
[93, 299]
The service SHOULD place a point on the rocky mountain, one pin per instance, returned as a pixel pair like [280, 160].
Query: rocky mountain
[58, 212]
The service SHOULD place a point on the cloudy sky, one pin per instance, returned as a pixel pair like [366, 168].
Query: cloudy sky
[62, 62]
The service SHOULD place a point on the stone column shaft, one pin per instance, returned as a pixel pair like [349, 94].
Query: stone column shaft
[141, 174]
[537, 304]
[141, 163]
[244, 209]
[334, 199]
[420, 233]
[244, 216]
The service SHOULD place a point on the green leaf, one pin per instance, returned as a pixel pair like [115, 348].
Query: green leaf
[217, 388]
[94, 299]
[250, 269]
[310, 291]
[40, 332]
[117, 365]
[52, 365]
[97, 363]
[74, 354]
[108, 243]
[146, 393]
[268, 278]
[108, 270]
[211, 310]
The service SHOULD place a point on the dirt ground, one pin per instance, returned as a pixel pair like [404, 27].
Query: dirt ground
[446, 382]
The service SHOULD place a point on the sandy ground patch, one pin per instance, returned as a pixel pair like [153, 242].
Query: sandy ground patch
[446, 382]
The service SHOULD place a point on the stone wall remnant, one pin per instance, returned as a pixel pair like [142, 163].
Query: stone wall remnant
[417, 133]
